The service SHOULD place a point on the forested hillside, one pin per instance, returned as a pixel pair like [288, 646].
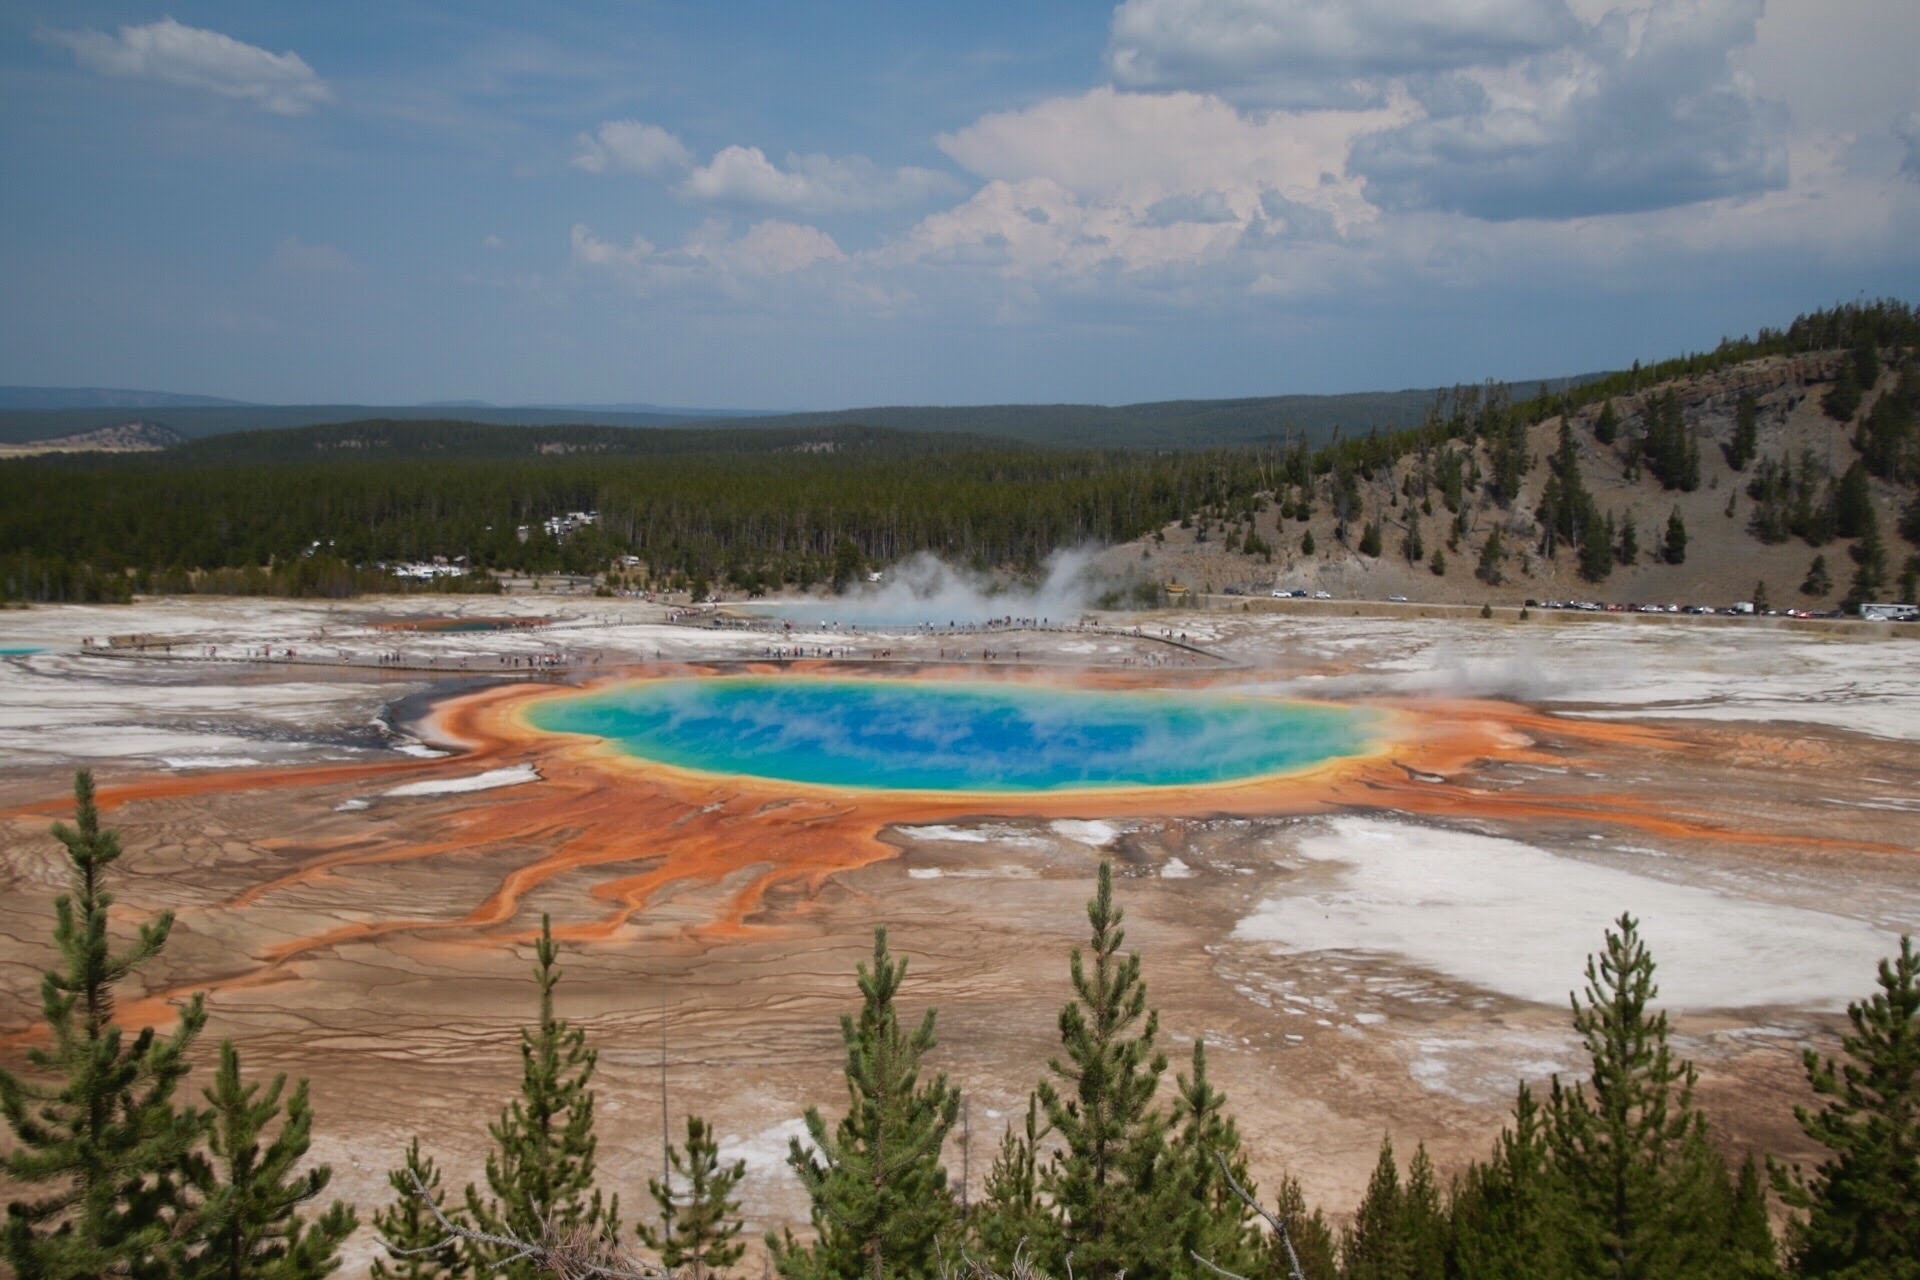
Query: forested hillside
[1784, 468]
[789, 509]
[1168, 424]
[1795, 438]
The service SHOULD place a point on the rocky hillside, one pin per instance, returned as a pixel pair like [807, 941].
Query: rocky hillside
[128, 437]
[1822, 449]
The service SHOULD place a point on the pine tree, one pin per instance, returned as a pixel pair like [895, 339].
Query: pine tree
[1306, 543]
[1629, 1146]
[1312, 1239]
[1746, 433]
[1818, 581]
[1490, 557]
[1504, 1213]
[1596, 547]
[1866, 364]
[1505, 432]
[104, 1139]
[1751, 1251]
[1628, 550]
[1438, 564]
[1674, 549]
[700, 1225]
[1672, 453]
[1861, 1208]
[248, 1224]
[1606, 428]
[880, 1197]
[1220, 1225]
[1870, 568]
[1842, 399]
[1370, 539]
[1853, 503]
[1376, 1247]
[1110, 1182]
[1886, 435]
[1012, 1220]
[1550, 515]
[406, 1225]
[1423, 1221]
[1568, 507]
[540, 1172]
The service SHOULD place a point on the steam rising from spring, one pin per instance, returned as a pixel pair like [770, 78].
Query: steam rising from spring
[925, 590]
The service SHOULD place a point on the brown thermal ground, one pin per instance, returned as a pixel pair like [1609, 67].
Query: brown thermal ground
[380, 944]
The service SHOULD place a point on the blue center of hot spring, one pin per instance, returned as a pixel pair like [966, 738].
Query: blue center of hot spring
[912, 736]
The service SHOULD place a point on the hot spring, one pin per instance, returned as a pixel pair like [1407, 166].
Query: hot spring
[910, 735]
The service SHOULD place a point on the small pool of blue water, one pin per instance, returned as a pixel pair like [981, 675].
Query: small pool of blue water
[19, 650]
[902, 735]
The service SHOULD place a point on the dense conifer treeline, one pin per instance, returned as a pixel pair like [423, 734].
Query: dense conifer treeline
[752, 516]
[1615, 1177]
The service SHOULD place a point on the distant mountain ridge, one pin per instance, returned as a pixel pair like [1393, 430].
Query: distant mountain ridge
[23, 426]
[52, 398]
[1173, 424]
[623, 407]
[15, 398]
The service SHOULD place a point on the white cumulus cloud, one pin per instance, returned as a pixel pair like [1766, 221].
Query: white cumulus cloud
[1107, 143]
[711, 256]
[1650, 112]
[1111, 184]
[766, 248]
[196, 58]
[1340, 150]
[810, 183]
[1084, 241]
[631, 146]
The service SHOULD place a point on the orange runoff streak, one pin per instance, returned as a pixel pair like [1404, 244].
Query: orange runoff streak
[646, 827]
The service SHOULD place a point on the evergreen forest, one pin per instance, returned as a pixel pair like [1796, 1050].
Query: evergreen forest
[1125, 1163]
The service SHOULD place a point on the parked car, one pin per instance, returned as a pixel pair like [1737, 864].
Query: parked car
[1396, 599]
[1323, 595]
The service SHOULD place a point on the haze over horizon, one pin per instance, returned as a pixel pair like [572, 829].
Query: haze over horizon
[1044, 202]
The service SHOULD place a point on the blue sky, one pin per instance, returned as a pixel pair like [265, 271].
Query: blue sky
[811, 206]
